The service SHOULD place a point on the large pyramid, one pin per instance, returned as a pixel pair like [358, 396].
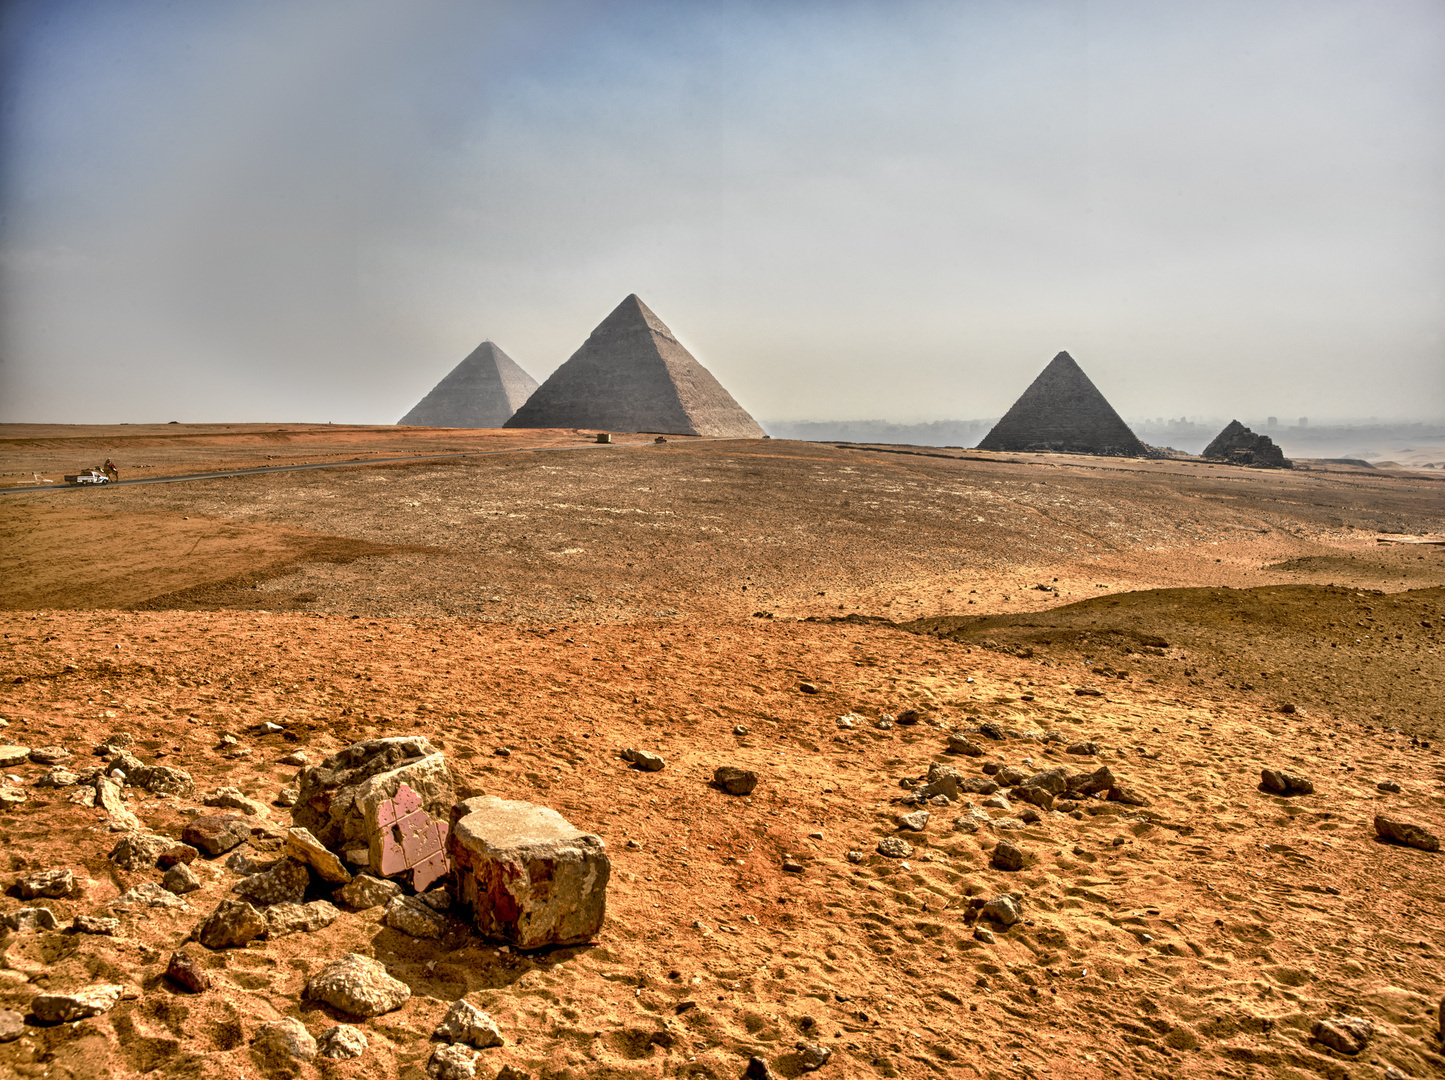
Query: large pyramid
[483, 391]
[633, 375]
[1062, 411]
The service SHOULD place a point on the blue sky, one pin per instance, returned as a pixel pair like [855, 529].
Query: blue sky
[312, 210]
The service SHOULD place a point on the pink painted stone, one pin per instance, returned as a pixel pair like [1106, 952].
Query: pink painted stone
[406, 837]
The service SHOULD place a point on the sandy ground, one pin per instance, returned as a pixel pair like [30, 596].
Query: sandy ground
[567, 606]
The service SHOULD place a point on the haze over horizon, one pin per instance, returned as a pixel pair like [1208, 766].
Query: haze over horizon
[314, 210]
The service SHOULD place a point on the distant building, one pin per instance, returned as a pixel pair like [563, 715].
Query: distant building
[1062, 411]
[1272, 422]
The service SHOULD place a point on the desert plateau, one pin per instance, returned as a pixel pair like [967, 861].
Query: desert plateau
[1066, 766]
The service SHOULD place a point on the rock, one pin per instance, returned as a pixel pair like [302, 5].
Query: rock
[1345, 1034]
[180, 854]
[1283, 783]
[735, 781]
[358, 986]
[230, 798]
[1040, 797]
[997, 802]
[107, 797]
[336, 796]
[1121, 793]
[437, 899]
[454, 1062]
[1007, 856]
[808, 688]
[1405, 833]
[758, 1070]
[94, 924]
[1010, 775]
[231, 926]
[10, 756]
[1389, 786]
[216, 834]
[855, 857]
[527, 874]
[990, 729]
[113, 743]
[297, 759]
[916, 821]
[287, 918]
[366, 891]
[53, 884]
[58, 778]
[644, 760]
[1082, 749]
[30, 920]
[978, 785]
[122, 762]
[63, 1008]
[287, 796]
[148, 894]
[284, 883]
[414, 918]
[162, 779]
[180, 879]
[1030, 816]
[908, 717]
[300, 844]
[1088, 691]
[286, 1038]
[962, 744]
[1004, 910]
[12, 1025]
[241, 863]
[812, 1057]
[971, 821]
[50, 755]
[465, 1023]
[847, 721]
[185, 973]
[985, 935]
[1054, 781]
[1082, 785]
[791, 867]
[895, 847]
[341, 1043]
[10, 797]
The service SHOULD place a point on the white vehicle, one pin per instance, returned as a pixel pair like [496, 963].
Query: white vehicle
[90, 476]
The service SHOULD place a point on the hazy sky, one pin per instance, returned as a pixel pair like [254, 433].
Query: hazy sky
[312, 210]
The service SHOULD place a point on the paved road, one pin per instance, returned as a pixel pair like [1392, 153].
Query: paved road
[333, 465]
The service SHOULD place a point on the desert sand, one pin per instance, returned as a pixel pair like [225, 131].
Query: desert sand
[565, 605]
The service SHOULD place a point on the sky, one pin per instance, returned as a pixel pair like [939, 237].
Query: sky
[311, 210]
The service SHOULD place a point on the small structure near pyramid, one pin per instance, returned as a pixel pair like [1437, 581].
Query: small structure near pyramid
[1238, 445]
[631, 374]
[1063, 412]
[483, 391]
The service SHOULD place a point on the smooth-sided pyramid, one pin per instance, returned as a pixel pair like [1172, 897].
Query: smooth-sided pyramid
[633, 375]
[1063, 412]
[483, 391]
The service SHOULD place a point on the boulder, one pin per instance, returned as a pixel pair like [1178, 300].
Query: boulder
[645, 760]
[178, 855]
[735, 781]
[216, 834]
[229, 798]
[465, 1023]
[94, 924]
[1007, 856]
[300, 844]
[50, 755]
[414, 918]
[148, 894]
[285, 1038]
[161, 779]
[914, 822]
[284, 883]
[231, 926]
[962, 744]
[12, 1025]
[107, 797]
[1004, 910]
[1283, 783]
[186, 973]
[366, 891]
[10, 756]
[334, 796]
[64, 1008]
[287, 918]
[180, 879]
[1344, 1034]
[52, 884]
[1054, 781]
[358, 986]
[454, 1062]
[341, 1043]
[528, 875]
[1402, 832]
[1040, 797]
[1081, 785]
[1122, 793]
[895, 847]
[29, 920]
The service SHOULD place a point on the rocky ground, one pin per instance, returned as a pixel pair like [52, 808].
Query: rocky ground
[1198, 922]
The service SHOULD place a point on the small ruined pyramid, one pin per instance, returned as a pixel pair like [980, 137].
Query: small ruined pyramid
[483, 391]
[1240, 446]
[1063, 412]
[633, 375]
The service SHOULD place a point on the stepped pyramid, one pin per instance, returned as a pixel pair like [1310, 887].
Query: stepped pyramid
[633, 375]
[483, 391]
[1062, 411]
[1237, 444]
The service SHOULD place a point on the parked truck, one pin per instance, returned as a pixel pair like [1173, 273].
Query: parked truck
[90, 476]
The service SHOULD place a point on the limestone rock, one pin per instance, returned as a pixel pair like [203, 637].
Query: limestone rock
[528, 875]
[162, 779]
[1405, 833]
[53, 884]
[180, 879]
[465, 1023]
[1283, 783]
[12, 1025]
[358, 986]
[414, 918]
[58, 778]
[1082, 749]
[287, 1037]
[895, 847]
[454, 1062]
[645, 760]
[186, 973]
[148, 894]
[284, 883]
[231, 925]
[50, 755]
[1081, 785]
[366, 891]
[1345, 1034]
[335, 794]
[63, 1008]
[94, 924]
[341, 1043]
[962, 744]
[300, 844]
[735, 781]
[916, 821]
[10, 756]
[287, 918]
[229, 798]
[1004, 910]
[216, 834]
[107, 797]
[30, 919]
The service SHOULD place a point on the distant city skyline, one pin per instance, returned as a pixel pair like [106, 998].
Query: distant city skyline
[315, 210]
